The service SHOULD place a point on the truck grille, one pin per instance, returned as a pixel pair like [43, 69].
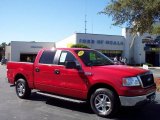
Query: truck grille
[147, 80]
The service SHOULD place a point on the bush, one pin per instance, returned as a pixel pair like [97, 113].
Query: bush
[149, 65]
[79, 46]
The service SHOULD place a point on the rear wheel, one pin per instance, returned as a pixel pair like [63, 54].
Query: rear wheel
[22, 89]
[104, 102]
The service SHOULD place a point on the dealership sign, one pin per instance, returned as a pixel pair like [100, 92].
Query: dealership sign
[36, 47]
[152, 49]
[108, 42]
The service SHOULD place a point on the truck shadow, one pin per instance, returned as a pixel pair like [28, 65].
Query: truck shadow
[80, 107]
[146, 112]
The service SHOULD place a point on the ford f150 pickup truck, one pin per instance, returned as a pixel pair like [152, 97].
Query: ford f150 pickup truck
[78, 75]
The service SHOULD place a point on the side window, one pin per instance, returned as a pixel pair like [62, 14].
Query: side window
[66, 56]
[47, 57]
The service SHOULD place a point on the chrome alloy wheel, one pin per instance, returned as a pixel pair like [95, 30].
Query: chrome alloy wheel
[102, 103]
[20, 89]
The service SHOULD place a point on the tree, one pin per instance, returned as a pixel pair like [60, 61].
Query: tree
[2, 50]
[156, 29]
[79, 46]
[3, 44]
[140, 15]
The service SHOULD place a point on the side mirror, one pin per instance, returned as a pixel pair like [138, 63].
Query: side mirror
[71, 65]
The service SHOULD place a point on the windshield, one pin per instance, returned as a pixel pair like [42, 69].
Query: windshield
[93, 58]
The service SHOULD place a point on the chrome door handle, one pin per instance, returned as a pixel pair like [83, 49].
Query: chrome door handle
[37, 69]
[56, 71]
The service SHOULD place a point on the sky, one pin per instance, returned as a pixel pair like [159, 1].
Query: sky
[52, 20]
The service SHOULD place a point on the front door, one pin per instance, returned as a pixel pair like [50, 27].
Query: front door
[72, 81]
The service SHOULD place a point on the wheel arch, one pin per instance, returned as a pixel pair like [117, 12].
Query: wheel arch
[101, 85]
[18, 76]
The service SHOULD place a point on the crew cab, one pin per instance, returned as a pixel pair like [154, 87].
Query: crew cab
[79, 75]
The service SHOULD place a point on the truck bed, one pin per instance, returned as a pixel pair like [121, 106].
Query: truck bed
[16, 69]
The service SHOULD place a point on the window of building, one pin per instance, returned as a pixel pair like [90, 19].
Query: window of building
[25, 57]
[47, 57]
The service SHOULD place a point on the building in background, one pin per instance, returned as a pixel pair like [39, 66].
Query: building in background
[25, 51]
[145, 48]
[110, 45]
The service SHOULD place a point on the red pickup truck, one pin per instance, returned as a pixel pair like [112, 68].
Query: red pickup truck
[78, 75]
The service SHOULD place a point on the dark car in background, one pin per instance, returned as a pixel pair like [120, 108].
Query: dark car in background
[3, 61]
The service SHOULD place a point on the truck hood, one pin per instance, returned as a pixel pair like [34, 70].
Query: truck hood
[120, 70]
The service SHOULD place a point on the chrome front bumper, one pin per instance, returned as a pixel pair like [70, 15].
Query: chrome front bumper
[132, 101]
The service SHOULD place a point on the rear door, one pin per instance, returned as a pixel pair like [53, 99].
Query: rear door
[44, 72]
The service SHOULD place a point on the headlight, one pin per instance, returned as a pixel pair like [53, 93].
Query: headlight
[131, 81]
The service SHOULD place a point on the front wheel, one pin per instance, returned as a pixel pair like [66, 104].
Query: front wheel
[104, 102]
[22, 89]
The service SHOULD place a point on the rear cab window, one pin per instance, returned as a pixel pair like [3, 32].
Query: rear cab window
[47, 57]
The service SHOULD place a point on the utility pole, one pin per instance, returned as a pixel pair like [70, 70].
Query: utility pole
[85, 22]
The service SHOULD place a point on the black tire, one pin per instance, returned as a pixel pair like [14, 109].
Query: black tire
[104, 102]
[22, 89]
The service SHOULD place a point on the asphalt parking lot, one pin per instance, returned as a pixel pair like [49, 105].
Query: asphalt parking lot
[156, 72]
[44, 108]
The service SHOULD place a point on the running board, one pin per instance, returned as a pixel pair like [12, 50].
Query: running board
[60, 97]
